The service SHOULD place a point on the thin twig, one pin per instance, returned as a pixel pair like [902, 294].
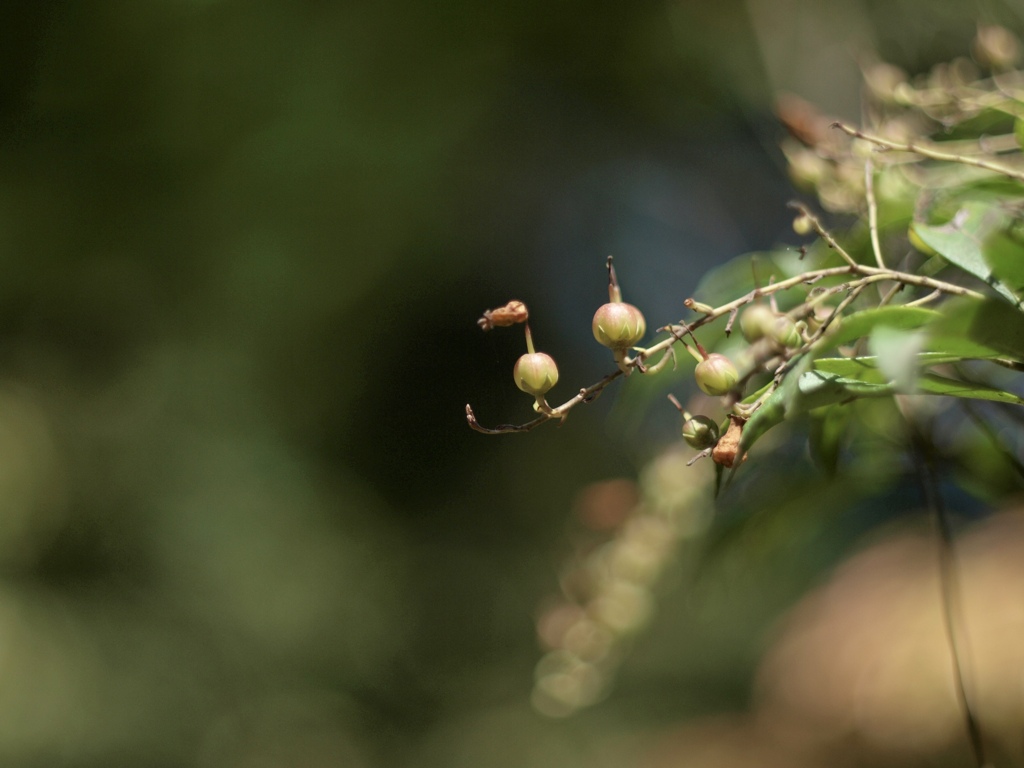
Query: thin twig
[824, 234]
[924, 299]
[869, 193]
[585, 395]
[815, 340]
[932, 153]
[908, 278]
[949, 584]
[891, 294]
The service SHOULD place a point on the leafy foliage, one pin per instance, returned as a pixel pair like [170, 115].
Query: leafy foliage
[861, 342]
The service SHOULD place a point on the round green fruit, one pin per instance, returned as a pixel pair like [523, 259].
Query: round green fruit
[618, 325]
[756, 322]
[716, 375]
[784, 332]
[700, 432]
[536, 373]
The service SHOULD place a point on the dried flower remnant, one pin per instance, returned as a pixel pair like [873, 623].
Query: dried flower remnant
[512, 313]
[728, 447]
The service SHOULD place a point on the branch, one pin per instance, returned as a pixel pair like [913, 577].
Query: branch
[586, 395]
[949, 585]
[907, 278]
[869, 193]
[868, 275]
[823, 233]
[932, 153]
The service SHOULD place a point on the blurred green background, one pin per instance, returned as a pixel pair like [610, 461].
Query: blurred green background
[243, 246]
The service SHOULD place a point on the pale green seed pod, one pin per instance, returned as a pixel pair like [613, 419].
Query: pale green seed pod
[535, 373]
[716, 375]
[618, 325]
[756, 322]
[784, 332]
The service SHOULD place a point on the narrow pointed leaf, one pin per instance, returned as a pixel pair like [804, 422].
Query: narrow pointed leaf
[814, 389]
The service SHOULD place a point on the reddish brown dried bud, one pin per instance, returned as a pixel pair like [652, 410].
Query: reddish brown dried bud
[512, 313]
[728, 446]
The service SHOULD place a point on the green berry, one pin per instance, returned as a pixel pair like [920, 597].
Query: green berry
[716, 375]
[784, 333]
[535, 373]
[700, 432]
[802, 224]
[756, 322]
[618, 325]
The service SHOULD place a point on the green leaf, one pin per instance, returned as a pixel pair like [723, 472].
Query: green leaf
[859, 324]
[865, 369]
[933, 384]
[897, 352]
[1004, 253]
[813, 389]
[839, 380]
[963, 240]
[978, 329]
[828, 428]
[947, 331]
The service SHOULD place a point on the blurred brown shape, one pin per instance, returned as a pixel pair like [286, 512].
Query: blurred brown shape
[997, 47]
[804, 121]
[608, 588]
[603, 506]
[727, 448]
[863, 668]
[721, 741]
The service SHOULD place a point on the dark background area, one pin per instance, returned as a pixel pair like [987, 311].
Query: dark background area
[243, 246]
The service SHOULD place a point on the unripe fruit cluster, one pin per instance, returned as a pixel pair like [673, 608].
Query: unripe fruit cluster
[758, 322]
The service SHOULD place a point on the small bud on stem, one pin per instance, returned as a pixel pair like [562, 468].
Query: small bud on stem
[512, 313]
[614, 292]
[700, 432]
[698, 306]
